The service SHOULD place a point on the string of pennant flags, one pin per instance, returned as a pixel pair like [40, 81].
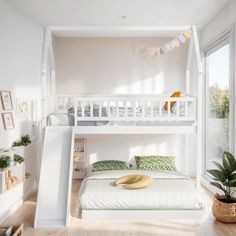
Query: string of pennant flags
[174, 43]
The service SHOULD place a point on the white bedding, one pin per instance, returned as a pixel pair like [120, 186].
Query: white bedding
[170, 191]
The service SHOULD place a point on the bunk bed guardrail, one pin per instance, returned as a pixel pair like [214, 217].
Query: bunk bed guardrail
[127, 107]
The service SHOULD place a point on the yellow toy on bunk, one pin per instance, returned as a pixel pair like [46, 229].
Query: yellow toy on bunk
[176, 94]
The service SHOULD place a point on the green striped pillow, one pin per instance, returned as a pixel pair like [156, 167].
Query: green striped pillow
[155, 163]
[110, 165]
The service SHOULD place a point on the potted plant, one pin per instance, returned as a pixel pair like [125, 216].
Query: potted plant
[224, 206]
[18, 159]
[23, 141]
[5, 162]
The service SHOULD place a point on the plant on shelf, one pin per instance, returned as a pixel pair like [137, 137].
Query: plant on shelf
[18, 159]
[24, 141]
[225, 179]
[5, 162]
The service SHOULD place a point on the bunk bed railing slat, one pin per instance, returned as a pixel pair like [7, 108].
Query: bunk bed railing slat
[127, 108]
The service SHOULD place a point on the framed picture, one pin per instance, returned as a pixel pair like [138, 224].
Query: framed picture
[23, 108]
[8, 120]
[6, 100]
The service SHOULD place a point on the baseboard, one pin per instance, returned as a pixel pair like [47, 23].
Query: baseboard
[26, 195]
[16, 205]
[7, 213]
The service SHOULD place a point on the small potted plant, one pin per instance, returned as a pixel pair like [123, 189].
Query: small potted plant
[23, 141]
[18, 159]
[224, 206]
[5, 162]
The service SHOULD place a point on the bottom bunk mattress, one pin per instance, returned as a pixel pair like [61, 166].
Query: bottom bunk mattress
[168, 191]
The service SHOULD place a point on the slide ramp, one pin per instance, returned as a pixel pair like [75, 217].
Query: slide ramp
[54, 192]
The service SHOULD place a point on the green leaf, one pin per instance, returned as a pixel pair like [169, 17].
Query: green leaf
[221, 168]
[226, 164]
[217, 174]
[232, 177]
[231, 160]
[231, 183]
[219, 186]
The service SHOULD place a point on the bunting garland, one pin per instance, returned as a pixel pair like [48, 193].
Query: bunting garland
[174, 43]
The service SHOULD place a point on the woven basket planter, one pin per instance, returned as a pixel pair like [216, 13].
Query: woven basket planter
[224, 212]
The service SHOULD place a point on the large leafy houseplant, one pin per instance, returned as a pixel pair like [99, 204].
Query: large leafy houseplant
[225, 177]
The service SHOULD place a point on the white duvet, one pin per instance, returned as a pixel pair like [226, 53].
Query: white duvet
[169, 191]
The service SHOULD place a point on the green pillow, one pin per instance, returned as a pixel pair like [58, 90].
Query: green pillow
[110, 165]
[155, 163]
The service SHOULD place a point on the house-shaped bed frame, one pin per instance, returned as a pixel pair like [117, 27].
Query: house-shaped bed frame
[53, 206]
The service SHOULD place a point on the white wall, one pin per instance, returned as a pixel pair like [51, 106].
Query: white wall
[20, 58]
[113, 66]
[126, 147]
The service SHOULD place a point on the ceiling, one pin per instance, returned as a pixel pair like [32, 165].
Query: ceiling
[119, 13]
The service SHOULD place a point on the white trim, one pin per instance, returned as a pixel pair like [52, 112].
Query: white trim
[118, 28]
[47, 54]
[226, 37]
[178, 129]
[200, 108]
[188, 66]
[68, 206]
[10, 210]
[143, 214]
[18, 203]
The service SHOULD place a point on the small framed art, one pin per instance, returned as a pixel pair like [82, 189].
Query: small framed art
[6, 100]
[8, 120]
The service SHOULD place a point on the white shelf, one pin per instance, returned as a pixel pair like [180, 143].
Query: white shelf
[80, 164]
[17, 171]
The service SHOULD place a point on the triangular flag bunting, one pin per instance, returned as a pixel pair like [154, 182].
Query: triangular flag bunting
[187, 34]
[175, 43]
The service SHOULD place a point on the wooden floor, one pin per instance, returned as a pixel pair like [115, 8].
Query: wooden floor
[208, 226]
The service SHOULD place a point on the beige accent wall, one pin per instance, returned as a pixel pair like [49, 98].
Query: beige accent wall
[114, 66]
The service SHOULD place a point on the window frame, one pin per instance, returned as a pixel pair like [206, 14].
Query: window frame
[226, 37]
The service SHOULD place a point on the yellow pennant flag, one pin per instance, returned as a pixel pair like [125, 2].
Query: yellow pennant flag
[187, 34]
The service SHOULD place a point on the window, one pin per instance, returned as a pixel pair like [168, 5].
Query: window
[219, 99]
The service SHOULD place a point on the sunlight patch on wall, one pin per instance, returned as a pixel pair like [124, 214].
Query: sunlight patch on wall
[93, 157]
[151, 85]
[136, 150]
[151, 149]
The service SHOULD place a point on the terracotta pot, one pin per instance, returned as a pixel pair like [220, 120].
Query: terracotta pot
[224, 212]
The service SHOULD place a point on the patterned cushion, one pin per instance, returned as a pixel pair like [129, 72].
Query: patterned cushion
[110, 165]
[155, 163]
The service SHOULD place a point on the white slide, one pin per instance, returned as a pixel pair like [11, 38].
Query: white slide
[53, 203]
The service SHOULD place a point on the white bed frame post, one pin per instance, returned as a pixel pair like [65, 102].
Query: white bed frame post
[187, 92]
[47, 55]
[200, 107]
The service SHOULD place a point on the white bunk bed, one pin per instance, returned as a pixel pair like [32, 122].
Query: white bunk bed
[125, 114]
